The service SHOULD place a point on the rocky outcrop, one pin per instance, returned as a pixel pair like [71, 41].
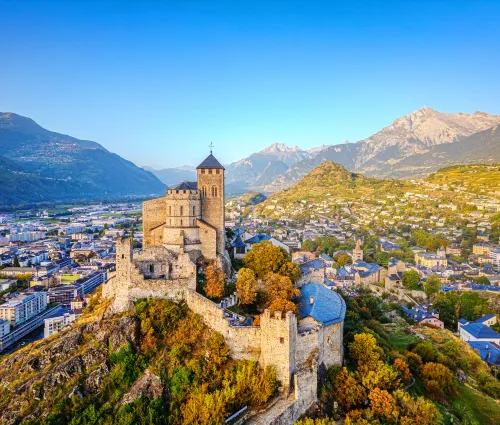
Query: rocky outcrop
[148, 385]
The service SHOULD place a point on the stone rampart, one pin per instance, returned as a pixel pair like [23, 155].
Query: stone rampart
[153, 215]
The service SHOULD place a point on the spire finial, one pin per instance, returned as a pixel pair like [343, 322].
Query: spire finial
[211, 145]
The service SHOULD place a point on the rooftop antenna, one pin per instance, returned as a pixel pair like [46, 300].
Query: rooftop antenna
[211, 145]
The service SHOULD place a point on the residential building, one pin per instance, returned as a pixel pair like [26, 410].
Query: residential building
[23, 307]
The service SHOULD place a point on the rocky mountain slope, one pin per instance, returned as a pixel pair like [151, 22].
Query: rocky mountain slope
[417, 143]
[157, 364]
[261, 168]
[41, 165]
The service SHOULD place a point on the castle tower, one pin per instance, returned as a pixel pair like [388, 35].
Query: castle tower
[211, 186]
[357, 253]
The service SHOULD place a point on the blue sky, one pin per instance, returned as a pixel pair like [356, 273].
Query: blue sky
[157, 81]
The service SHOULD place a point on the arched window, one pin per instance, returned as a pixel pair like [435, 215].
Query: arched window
[204, 191]
[182, 210]
[194, 210]
[181, 222]
[170, 210]
[214, 191]
[151, 268]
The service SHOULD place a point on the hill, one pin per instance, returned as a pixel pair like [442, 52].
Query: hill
[158, 364]
[173, 176]
[331, 190]
[44, 165]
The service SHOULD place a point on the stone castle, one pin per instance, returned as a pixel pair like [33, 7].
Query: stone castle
[187, 226]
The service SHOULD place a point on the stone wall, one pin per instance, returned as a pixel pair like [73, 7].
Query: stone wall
[208, 239]
[314, 275]
[153, 215]
[279, 339]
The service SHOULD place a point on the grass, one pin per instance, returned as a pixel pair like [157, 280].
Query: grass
[477, 407]
[400, 340]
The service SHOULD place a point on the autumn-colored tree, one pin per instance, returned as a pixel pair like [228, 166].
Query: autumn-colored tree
[417, 411]
[364, 351]
[217, 351]
[402, 368]
[214, 286]
[277, 286]
[383, 405]
[358, 417]
[438, 380]
[292, 270]
[266, 258]
[246, 286]
[317, 421]
[279, 304]
[348, 392]
[432, 286]
[378, 375]
[342, 259]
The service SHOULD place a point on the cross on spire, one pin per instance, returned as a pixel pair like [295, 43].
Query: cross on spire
[211, 145]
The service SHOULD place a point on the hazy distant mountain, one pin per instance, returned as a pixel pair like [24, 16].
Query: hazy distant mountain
[400, 149]
[40, 165]
[260, 168]
[172, 176]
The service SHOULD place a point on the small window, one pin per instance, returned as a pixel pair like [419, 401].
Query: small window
[209, 171]
[170, 210]
[182, 210]
[217, 171]
[202, 171]
[194, 210]
[282, 340]
[123, 256]
[214, 191]
[151, 268]
[181, 222]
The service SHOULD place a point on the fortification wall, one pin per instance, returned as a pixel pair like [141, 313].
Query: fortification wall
[317, 276]
[330, 344]
[244, 341]
[153, 215]
[307, 345]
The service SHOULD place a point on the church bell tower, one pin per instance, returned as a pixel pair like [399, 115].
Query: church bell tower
[211, 186]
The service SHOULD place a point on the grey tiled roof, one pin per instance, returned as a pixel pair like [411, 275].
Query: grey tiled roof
[210, 162]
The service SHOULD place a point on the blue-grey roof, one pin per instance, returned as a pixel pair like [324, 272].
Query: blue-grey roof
[238, 242]
[259, 237]
[327, 307]
[326, 257]
[462, 321]
[488, 351]
[315, 264]
[210, 162]
[485, 318]
[419, 315]
[478, 330]
[186, 186]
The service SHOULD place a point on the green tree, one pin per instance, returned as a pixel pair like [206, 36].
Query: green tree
[342, 259]
[309, 245]
[382, 258]
[432, 286]
[266, 258]
[482, 280]
[411, 279]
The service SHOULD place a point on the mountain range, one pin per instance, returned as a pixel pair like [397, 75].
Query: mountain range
[413, 145]
[38, 165]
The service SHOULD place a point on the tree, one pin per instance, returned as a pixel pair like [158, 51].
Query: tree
[15, 263]
[482, 280]
[292, 270]
[348, 392]
[383, 405]
[446, 304]
[411, 280]
[382, 258]
[432, 286]
[279, 304]
[214, 286]
[277, 286]
[402, 369]
[342, 259]
[246, 286]
[309, 245]
[416, 411]
[265, 258]
[438, 380]
[364, 351]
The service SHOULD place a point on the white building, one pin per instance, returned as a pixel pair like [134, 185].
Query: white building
[23, 307]
[4, 328]
[54, 324]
